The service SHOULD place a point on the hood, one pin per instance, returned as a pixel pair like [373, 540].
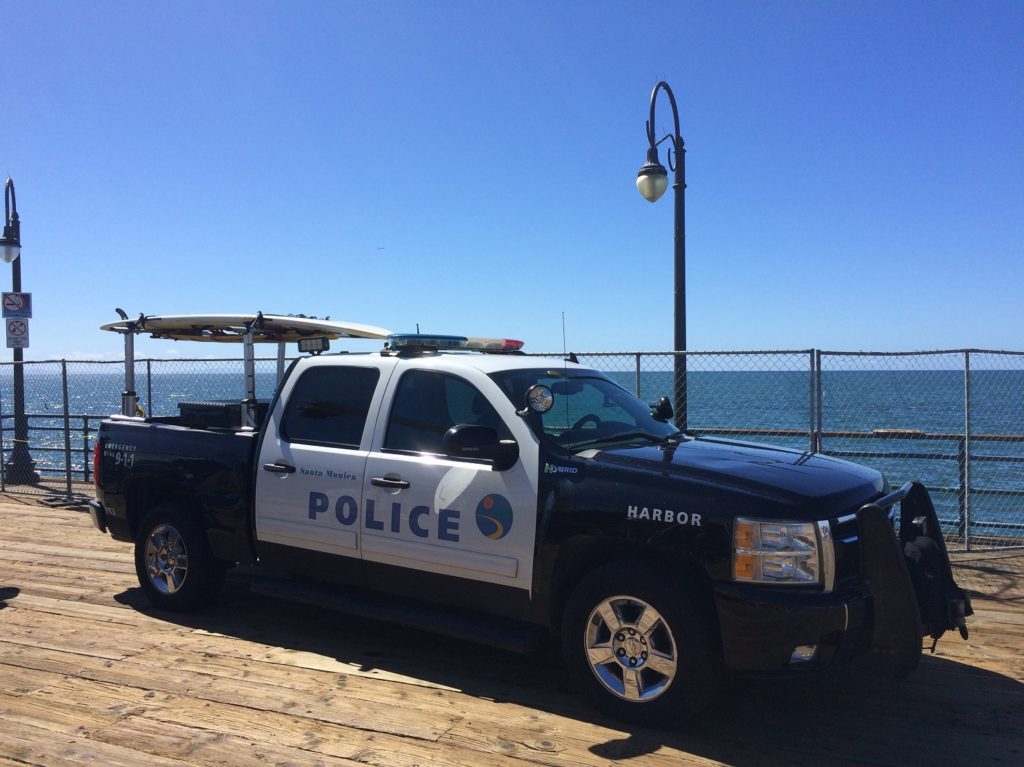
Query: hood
[811, 482]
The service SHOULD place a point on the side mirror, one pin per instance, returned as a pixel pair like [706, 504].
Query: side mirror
[466, 440]
[662, 410]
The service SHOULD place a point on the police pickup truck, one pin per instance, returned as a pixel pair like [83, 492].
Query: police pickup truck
[506, 498]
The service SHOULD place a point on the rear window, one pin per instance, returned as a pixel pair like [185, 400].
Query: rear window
[328, 406]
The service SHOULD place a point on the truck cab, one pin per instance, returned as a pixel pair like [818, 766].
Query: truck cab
[377, 488]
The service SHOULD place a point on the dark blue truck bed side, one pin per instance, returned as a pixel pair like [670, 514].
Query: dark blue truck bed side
[144, 460]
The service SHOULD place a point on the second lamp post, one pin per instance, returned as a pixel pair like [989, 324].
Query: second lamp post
[652, 181]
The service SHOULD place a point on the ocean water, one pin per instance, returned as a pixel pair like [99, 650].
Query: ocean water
[909, 424]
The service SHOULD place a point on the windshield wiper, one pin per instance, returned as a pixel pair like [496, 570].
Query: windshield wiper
[625, 436]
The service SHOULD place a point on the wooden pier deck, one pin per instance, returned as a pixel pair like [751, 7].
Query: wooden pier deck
[89, 674]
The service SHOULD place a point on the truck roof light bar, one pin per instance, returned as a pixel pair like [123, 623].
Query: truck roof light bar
[414, 343]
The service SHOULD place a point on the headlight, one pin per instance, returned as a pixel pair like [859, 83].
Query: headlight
[776, 552]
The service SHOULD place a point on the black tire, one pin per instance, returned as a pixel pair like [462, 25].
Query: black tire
[176, 570]
[641, 647]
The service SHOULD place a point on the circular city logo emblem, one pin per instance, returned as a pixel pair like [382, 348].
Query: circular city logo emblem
[494, 516]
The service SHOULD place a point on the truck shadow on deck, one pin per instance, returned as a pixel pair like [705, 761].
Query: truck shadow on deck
[945, 713]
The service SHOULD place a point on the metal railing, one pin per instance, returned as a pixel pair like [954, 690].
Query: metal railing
[75, 438]
[953, 419]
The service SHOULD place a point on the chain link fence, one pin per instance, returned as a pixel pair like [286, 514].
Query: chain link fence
[766, 396]
[954, 420]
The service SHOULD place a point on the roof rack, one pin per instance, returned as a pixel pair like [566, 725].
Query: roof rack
[247, 329]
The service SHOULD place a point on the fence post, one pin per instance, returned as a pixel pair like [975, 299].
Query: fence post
[965, 467]
[67, 431]
[86, 457]
[3, 473]
[810, 401]
[638, 375]
[961, 495]
[818, 399]
[149, 387]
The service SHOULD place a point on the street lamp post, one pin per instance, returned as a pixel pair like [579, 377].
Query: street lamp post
[20, 468]
[652, 181]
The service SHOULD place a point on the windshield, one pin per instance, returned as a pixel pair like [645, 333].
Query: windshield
[589, 409]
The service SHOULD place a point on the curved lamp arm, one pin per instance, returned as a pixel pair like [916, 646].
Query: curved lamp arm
[10, 244]
[652, 178]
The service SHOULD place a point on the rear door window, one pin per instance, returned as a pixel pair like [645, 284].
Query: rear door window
[328, 406]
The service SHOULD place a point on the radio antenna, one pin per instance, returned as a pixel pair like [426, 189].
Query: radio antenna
[565, 352]
[565, 369]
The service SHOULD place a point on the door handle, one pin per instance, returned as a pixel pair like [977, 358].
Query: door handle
[391, 481]
[279, 468]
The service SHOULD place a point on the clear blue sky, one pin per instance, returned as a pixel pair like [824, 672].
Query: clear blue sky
[855, 169]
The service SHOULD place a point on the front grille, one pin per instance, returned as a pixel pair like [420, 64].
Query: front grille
[846, 540]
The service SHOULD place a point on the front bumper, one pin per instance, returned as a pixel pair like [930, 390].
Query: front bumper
[762, 626]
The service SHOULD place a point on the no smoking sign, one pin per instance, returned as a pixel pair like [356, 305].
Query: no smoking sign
[17, 334]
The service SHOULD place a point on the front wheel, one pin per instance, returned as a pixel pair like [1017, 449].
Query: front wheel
[173, 561]
[641, 647]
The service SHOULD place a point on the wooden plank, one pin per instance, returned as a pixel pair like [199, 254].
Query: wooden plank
[28, 745]
[20, 681]
[48, 580]
[302, 734]
[198, 745]
[63, 716]
[383, 709]
[72, 608]
[71, 551]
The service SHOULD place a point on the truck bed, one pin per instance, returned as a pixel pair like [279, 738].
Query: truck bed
[156, 457]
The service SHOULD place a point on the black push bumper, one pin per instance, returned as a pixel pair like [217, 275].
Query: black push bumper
[905, 591]
[910, 579]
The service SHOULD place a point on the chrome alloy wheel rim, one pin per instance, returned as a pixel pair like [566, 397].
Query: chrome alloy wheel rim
[166, 559]
[630, 649]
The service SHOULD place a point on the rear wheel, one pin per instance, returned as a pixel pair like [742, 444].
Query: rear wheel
[640, 647]
[173, 560]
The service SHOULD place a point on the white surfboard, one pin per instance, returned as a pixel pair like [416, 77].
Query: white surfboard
[231, 328]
